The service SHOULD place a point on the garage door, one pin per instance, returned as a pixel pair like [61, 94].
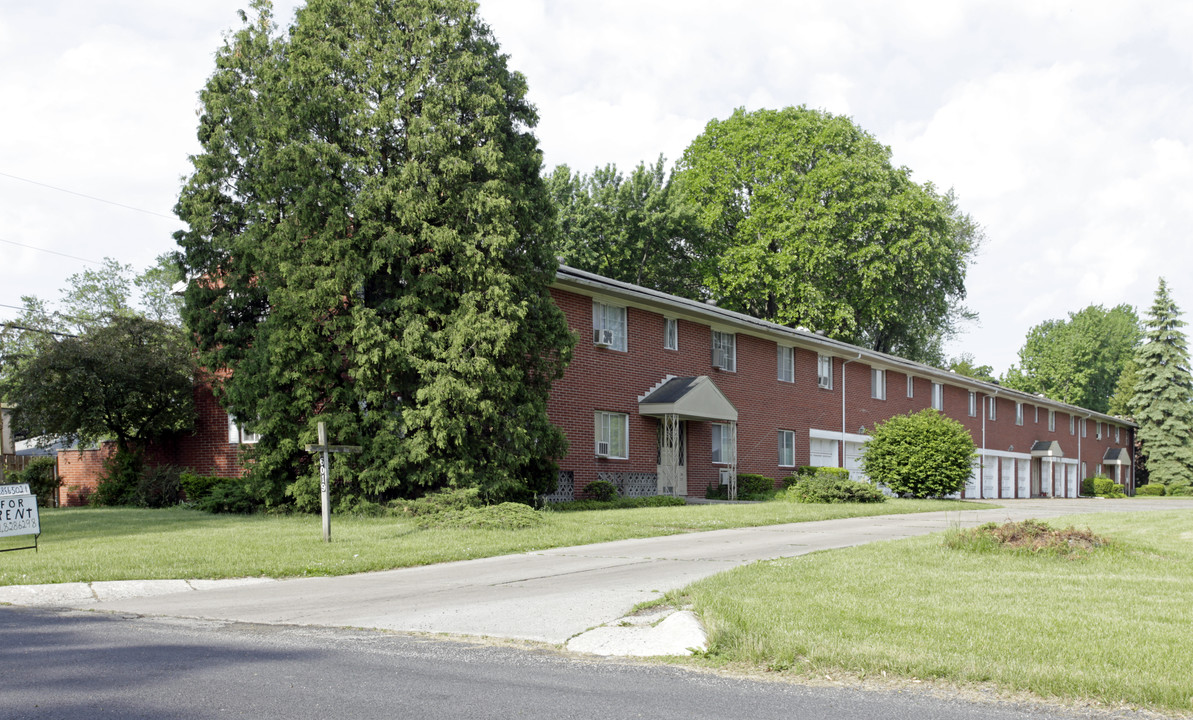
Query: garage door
[1008, 478]
[822, 453]
[990, 477]
[1024, 469]
[854, 451]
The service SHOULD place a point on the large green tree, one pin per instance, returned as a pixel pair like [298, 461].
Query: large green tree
[1163, 400]
[810, 225]
[633, 229]
[1078, 360]
[371, 244]
[127, 379]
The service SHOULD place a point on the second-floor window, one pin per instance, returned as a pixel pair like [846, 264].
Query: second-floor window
[1018, 413]
[786, 364]
[824, 371]
[1051, 421]
[910, 386]
[608, 326]
[937, 396]
[670, 334]
[878, 384]
[993, 407]
[973, 402]
[724, 350]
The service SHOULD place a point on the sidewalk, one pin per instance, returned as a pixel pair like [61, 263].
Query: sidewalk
[550, 596]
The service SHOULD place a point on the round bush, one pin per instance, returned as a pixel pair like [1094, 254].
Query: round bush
[1179, 490]
[831, 488]
[924, 454]
[1154, 489]
[601, 490]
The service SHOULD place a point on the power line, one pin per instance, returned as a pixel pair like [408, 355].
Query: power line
[89, 197]
[14, 326]
[52, 252]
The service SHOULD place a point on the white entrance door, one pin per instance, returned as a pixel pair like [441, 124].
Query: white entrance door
[672, 463]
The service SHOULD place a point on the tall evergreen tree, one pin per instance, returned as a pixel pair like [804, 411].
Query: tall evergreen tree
[371, 245]
[1163, 402]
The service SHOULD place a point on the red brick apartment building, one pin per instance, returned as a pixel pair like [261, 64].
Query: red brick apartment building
[670, 396]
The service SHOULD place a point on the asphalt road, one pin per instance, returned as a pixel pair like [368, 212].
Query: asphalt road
[65, 665]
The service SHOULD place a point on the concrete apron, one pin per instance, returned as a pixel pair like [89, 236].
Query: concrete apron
[577, 596]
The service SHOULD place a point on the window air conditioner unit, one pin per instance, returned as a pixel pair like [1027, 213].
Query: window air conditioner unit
[718, 359]
[602, 337]
[602, 449]
[726, 473]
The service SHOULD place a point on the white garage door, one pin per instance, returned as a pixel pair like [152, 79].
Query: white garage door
[853, 461]
[1008, 478]
[822, 453]
[1024, 467]
[989, 477]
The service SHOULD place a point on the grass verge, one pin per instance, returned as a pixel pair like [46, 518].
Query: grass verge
[90, 544]
[1110, 625]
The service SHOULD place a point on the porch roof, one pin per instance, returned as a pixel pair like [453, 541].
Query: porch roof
[1116, 456]
[691, 398]
[1046, 448]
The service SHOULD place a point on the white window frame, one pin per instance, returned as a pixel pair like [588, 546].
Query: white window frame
[670, 333]
[786, 448]
[722, 450]
[1098, 428]
[609, 317]
[237, 435]
[606, 431]
[973, 404]
[824, 372]
[1051, 421]
[992, 409]
[910, 386]
[1084, 429]
[1072, 424]
[1018, 413]
[726, 342]
[938, 396]
[786, 358]
[877, 384]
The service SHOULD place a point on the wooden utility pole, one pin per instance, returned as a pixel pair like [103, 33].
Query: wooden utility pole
[325, 474]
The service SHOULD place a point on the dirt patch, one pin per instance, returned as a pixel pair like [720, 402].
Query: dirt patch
[1029, 537]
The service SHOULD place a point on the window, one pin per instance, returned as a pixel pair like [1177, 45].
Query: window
[824, 371]
[910, 386]
[670, 334]
[237, 435]
[1116, 435]
[1098, 469]
[937, 396]
[722, 444]
[1072, 424]
[973, 401]
[724, 350]
[878, 384]
[608, 326]
[1084, 429]
[1098, 429]
[1051, 421]
[1037, 414]
[993, 406]
[1018, 413]
[786, 448]
[786, 364]
[612, 435]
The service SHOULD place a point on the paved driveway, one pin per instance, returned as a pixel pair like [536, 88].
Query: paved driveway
[552, 595]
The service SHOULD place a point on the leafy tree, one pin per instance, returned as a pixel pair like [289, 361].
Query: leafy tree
[1163, 400]
[924, 454]
[810, 225]
[374, 245]
[93, 295]
[1124, 390]
[633, 229]
[128, 380]
[159, 300]
[964, 365]
[1079, 360]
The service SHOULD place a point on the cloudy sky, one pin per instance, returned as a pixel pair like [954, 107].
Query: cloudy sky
[1066, 128]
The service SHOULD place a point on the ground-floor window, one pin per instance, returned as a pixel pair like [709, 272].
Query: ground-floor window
[786, 448]
[237, 435]
[722, 443]
[612, 435]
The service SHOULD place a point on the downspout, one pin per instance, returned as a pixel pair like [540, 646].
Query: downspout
[1081, 434]
[841, 459]
[982, 479]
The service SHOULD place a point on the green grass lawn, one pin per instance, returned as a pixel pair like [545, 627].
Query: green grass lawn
[1116, 626]
[88, 544]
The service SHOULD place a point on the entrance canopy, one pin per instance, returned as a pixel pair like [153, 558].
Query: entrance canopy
[689, 398]
[1116, 456]
[1046, 448]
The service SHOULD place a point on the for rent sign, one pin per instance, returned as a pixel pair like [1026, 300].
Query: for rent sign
[18, 515]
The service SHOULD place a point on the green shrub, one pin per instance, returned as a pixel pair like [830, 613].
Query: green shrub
[831, 488]
[229, 495]
[810, 470]
[749, 484]
[41, 474]
[716, 491]
[159, 487]
[196, 487]
[505, 516]
[616, 503]
[1180, 490]
[924, 454]
[1103, 486]
[119, 481]
[441, 501]
[601, 490]
[1153, 489]
[1087, 487]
